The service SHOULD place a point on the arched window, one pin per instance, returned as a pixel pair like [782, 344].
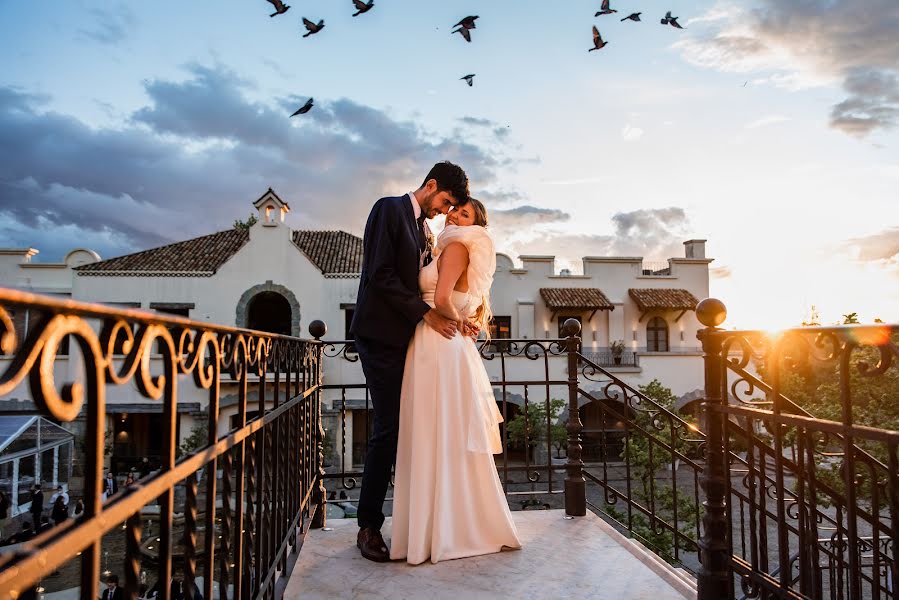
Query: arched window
[269, 311]
[657, 335]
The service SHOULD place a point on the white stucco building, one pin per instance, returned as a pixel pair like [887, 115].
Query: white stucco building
[277, 279]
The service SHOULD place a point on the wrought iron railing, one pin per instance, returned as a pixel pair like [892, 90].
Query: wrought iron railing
[528, 376]
[607, 358]
[237, 531]
[799, 506]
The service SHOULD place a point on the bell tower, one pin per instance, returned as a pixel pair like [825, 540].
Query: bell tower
[272, 209]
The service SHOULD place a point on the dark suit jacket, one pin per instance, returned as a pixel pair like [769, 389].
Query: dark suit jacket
[388, 305]
[115, 486]
[37, 504]
[117, 594]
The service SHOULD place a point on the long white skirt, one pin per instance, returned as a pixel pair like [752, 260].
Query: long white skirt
[448, 500]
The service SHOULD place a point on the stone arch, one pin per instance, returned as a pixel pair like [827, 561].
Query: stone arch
[245, 299]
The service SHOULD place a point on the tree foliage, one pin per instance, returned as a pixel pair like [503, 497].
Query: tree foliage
[533, 429]
[251, 220]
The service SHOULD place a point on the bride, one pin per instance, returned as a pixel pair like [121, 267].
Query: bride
[448, 500]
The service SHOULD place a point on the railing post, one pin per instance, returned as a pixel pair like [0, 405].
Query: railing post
[713, 579]
[575, 484]
[318, 329]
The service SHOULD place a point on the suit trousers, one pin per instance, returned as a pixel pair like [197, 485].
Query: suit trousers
[383, 368]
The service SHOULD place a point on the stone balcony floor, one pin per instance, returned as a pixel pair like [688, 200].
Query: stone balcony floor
[561, 558]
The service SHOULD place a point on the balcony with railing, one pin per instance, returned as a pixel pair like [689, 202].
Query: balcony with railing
[613, 491]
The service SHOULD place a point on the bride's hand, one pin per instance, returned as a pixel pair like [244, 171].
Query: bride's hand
[442, 325]
[470, 329]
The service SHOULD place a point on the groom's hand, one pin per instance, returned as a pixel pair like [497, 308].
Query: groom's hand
[445, 327]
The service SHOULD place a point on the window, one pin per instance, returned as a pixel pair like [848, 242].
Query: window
[500, 329]
[563, 318]
[657, 335]
[347, 321]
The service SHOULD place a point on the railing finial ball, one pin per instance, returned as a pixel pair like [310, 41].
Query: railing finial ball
[318, 329]
[711, 312]
[571, 327]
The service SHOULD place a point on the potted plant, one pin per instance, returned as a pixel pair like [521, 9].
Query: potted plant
[617, 349]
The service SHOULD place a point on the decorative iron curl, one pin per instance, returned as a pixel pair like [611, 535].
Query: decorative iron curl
[340, 348]
[534, 476]
[7, 333]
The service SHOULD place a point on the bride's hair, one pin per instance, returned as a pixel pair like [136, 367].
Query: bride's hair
[483, 315]
[480, 213]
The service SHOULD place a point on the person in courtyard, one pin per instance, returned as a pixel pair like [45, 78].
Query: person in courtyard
[37, 503]
[59, 512]
[112, 591]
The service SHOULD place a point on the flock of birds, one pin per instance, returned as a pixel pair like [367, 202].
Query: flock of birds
[463, 28]
[599, 43]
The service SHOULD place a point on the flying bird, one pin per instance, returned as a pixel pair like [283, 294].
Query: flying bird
[598, 44]
[362, 7]
[280, 8]
[303, 109]
[465, 33]
[669, 20]
[604, 9]
[467, 22]
[313, 27]
[632, 17]
[469, 79]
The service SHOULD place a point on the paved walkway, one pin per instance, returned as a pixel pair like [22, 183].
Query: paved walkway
[561, 558]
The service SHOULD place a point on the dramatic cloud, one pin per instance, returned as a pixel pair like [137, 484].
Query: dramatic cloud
[195, 158]
[807, 43]
[655, 234]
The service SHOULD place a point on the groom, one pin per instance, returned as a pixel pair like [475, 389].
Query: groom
[388, 307]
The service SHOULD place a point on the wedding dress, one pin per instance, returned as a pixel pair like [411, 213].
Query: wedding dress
[448, 501]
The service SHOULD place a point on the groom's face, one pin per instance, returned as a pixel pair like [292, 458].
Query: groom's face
[436, 202]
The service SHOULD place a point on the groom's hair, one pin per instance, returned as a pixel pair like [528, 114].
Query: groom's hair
[450, 178]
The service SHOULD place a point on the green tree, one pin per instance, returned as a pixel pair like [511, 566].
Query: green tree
[533, 429]
[651, 467]
[198, 438]
[251, 220]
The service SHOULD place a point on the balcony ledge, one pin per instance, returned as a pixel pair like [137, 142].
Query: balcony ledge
[578, 558]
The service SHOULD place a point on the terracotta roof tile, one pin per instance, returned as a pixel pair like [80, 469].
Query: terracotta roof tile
[334, 252]
[577, 298]
[673, 299]
[199, 256]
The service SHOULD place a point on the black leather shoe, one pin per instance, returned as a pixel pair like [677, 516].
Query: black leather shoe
[372, 545]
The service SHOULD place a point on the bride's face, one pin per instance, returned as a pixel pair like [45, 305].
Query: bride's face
[462, 216]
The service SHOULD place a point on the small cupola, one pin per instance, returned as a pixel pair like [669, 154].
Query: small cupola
[271, 209]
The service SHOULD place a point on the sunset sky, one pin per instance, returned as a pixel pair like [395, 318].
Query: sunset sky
[767, 127]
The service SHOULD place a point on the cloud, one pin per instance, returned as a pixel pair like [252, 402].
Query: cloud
[631, 133]
[110, 26]
[807, 43]
[768, 120]
[720, 272]
[655, 233]
[873, 103]
[525, 216]
[194, 158]
[878, 247]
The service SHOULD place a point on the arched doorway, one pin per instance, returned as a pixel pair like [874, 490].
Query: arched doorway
[269, 307]
[269, 311]
[603, 433]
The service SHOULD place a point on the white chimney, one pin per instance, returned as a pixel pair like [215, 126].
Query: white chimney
[694, 248]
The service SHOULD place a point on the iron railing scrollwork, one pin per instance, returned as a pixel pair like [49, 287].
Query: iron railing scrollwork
[820, 494]
[249, 521]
